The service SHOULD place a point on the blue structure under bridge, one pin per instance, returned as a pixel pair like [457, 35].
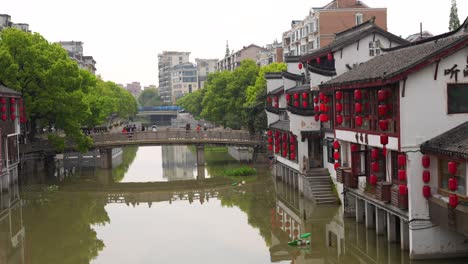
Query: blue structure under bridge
[160, 115]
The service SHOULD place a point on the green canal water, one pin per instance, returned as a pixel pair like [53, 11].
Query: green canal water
[74, 215]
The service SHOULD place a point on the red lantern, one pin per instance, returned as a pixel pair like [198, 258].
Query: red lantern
[292, 139]
[453, 184]
[288, 97]
[305, 95]
[336, 145]
[329, 56]
[4, 117]
[373, 179]
[318, 60]
[276, 105]
[325, 99]
[358, 107]
[276, 98]
[12, 109]
[270, 147]
[383, 139]
[13, 116]
[357, 94]
[402, 175]
[269, 133]
[358, 120]
[375, 153]
[284, 136]
[300, 66]
[269, 99]
[426, 191]
[316, 99]
[3, 109]
[426, 161]
[381, 95]
[292, 148]
[354, 147]
[270, 140]
[453, 200]
[336, 155]
[3, 100]
[401, 160]
[383, 109]
[323, 118]
[339, 119]
[383, 124]
[321, 96]
[322, 107]
[375, 166]
[284, 153]
[293, 156]
[338, 95]
[403, 189]
[296, 96]
[304, 104]
[316, 109]
[317, 117]
[336, 165]
[296, 103]
[277, 134]
[452, 167]
[277, 149]
[12, 100]
[338, 107]
[426, 176]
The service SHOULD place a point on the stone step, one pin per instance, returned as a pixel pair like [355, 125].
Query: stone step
[318, 178]
[321, 188]
[327, 201]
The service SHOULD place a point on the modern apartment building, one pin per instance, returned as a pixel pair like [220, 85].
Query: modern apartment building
[184, 80]
[166, 61]
[75, 51]
[5, 22]
[204, 67]
[232, 61]
[134, 88]
[320, 25]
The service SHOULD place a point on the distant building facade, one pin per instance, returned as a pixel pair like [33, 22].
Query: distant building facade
[134, 88]
[232, 61]
[166, 61]
[204, 67]
[151, 86]
[5, 22]
[184, 80]
[75, 51]
[273, 53]
[319, 27]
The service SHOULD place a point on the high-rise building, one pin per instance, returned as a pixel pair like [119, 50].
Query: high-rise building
[134, 88]
[319, 27]
[5, 22]
[75, 51]
[184, 80]
[232, 60]
[166, 61]
[204, 67]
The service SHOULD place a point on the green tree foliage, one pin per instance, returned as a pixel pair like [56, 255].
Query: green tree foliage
[454, 22]
[150, 97]
[193, 102]
[55, 90]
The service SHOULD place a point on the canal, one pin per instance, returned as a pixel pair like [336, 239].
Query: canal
[75, 214]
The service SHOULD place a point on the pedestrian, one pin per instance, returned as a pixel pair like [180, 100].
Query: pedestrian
[198, 127]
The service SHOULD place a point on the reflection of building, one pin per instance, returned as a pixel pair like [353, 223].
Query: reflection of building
[12, 232]
[179, 163]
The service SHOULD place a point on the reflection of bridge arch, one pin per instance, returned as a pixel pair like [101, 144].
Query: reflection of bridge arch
[153, 197]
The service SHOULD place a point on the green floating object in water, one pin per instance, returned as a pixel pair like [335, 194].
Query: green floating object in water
[299, 242]
[234, 184]
[305, 235]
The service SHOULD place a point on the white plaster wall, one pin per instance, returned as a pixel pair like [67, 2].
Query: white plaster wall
[316, 79]
[288, 84]
[434, 242]
[424, 107]
[271, 117]
[329, 166]
[294, 68]
[287, 162]
[273, 84]
[373, 140]
[302, 123]
[351, 55]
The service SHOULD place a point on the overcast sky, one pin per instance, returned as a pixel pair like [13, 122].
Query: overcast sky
[124, 37]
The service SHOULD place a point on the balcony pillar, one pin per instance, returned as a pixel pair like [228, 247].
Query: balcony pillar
[391, 228]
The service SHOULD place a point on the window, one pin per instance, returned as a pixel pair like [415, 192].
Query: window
[358, 18]
[444, 176]
[330, 151]
[374, 48]
[457, 98]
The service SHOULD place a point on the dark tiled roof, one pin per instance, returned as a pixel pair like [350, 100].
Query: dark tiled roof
[298, 89]
[393, 63]
[277, 90]
[6, 90]
[291, 59]
[453, 143]
[351, 35]
[273, 75]
[292, 76]
[281, 125]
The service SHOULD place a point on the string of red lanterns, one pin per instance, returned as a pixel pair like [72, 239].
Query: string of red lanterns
[453, 183]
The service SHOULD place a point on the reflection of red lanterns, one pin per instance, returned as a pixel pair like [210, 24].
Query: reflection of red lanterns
[338, 107]
[336, 155]
[375, 166]
[453, 184]
[426, 161]
[339, 95]
[383, 124]
[403, 189]
[426, 191]
[402, 175]
[358, 107]
[382, 109]
[375, 153]
[426, 176]
[357, 94]
[401, 160]
[373, 179]
[339, 119]
[452, 167]
[358, 120]
[381, 95]
[453, 200]
[336, 145]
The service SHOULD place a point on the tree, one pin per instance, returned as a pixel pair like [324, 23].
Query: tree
[192, 102]
[150, 97]
[454, 22]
